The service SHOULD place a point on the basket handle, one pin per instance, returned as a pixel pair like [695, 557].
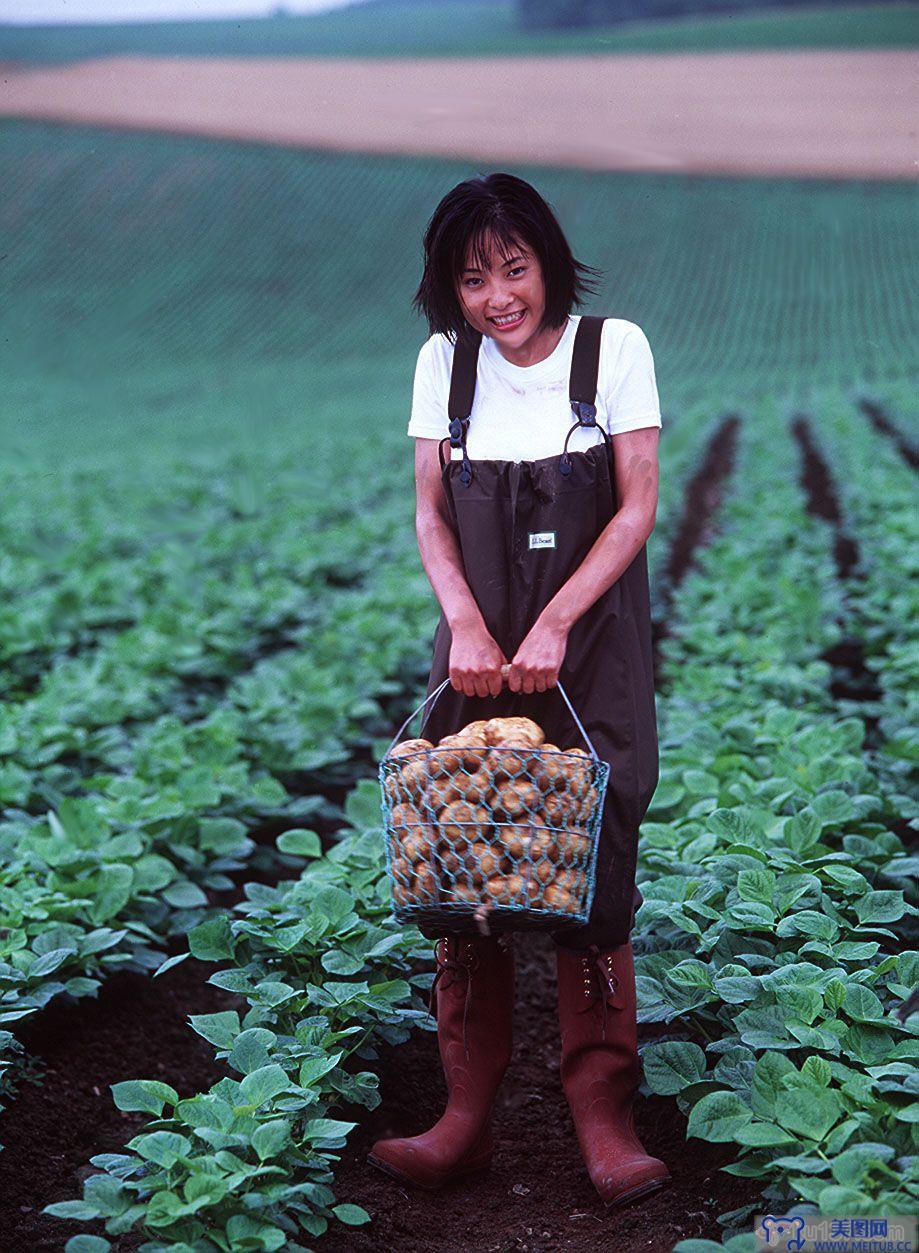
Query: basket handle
[505, 669]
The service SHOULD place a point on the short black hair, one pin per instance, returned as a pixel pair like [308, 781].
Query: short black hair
[511, 212]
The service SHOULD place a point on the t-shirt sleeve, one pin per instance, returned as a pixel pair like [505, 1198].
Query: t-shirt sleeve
[431, 389]
[632, 401]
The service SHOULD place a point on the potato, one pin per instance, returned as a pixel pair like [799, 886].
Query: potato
[410, 746]
[515, 799]
[515, 840]
[416, 776]
[544, 872]
[560, 898]
[426, 885]
[581, 809]
[418, 845]
[454, 752]
[476, 788]
[396, 788]
[461, 892]
[409, 819]
[505, 889]
[442, 792]
[450, 860]
[573, 881]
[461, 812]
[548, 768]
[577, 769]
[401, 893]
[475, 730]
[402, 869]
[486, 861]
[511, 762]
[543, 847]
[466, 876]
[520, 730]
[559, 809]
[573, 846]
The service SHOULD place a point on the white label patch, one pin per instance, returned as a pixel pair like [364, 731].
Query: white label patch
[542, 539]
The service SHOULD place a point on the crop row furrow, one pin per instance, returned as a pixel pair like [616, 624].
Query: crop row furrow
[877, 500]
[694, 523]
[852, 681]
[882, 422]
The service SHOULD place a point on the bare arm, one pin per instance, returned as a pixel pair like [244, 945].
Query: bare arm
[475, 658]
[537, 662]
[619, 543]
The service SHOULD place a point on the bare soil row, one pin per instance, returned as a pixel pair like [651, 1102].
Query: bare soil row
[802, 113]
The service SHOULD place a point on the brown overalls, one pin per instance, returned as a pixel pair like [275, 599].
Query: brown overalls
[523, 528]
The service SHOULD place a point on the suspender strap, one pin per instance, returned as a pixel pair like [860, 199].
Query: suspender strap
[582, 385]
[462, 377]
[585, 366]
[462, 393]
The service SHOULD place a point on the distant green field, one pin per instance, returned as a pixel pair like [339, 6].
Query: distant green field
[462, 29]
[172, 293]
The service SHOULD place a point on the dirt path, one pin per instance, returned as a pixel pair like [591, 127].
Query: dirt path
[842, 114]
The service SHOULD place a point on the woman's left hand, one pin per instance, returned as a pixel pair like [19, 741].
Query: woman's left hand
[536, 664]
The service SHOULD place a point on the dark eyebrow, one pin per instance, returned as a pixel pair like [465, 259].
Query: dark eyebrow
[472, 269]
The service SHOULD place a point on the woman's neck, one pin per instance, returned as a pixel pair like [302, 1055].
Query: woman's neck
[536, 348]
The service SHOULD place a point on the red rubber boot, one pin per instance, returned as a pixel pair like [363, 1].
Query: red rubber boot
[474, 991]
[600, 1069]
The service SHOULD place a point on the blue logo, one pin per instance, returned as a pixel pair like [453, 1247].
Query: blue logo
[783, 1233]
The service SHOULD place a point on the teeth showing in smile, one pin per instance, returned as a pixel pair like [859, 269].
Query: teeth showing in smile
[508, 318]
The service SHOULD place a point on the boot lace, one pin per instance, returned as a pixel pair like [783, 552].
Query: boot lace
[452, 963]
[600, 964]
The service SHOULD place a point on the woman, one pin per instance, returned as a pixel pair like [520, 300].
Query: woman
[533, 537]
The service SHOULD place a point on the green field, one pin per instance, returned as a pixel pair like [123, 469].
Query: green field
[213, 618]
[168, 295]
[463, 29]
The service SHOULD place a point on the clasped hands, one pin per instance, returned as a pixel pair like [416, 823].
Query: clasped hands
[478, 666]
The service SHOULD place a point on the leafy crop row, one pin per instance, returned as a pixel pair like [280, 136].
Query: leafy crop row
[125, 808]
[775, 882]
[685, 442]
[768, 865]
[248, 1164]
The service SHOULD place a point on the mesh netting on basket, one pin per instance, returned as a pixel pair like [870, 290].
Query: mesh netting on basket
[492, 828]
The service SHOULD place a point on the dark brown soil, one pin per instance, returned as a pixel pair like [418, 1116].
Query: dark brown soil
[697, 523]
[135, 1029]
[822, 498]
[881, 422]
[537, 1196]
[852, 680]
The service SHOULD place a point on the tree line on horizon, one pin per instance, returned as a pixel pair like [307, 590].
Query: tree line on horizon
[558, 14]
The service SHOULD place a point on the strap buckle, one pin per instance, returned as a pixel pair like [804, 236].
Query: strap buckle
[457, 432]
[585, 413]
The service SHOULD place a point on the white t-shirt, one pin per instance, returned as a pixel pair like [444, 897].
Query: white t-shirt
[522, 413]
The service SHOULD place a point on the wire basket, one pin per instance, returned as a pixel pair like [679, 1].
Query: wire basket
[493, 830]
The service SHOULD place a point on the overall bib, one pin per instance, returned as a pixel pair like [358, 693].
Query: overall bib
[523, 528]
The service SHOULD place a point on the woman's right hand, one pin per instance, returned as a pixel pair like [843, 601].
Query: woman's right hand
[475, 663]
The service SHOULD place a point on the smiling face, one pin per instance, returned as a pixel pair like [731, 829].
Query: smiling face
[503, 295]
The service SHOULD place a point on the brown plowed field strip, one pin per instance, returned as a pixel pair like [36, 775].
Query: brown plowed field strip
[835, 114]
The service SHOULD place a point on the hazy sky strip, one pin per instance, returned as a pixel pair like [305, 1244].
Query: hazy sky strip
[29, 12]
